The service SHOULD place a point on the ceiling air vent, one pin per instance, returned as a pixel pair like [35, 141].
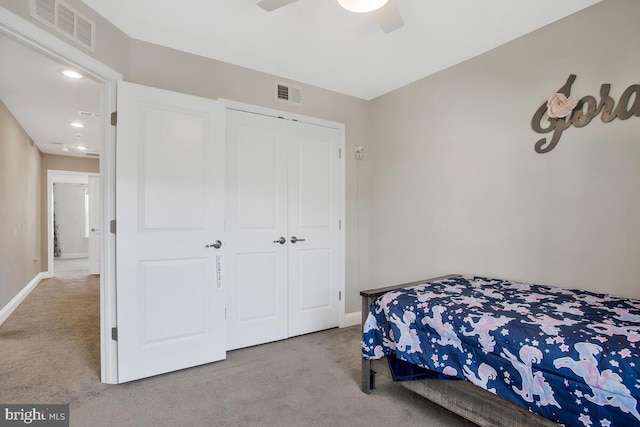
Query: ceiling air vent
[90, 154]
[66, 20]
[288, 93]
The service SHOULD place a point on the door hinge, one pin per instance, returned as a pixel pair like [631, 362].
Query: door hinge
[114, 334]
[340, 224]
[225, 314]
[339, 295]
[112, 226]
[339, 153]
[114, 118]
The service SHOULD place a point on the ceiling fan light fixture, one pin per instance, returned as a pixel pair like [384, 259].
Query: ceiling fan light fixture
[362, 6]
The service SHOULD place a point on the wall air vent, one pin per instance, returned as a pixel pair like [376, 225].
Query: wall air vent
[288, 93]
[90, 154]
[66, 20]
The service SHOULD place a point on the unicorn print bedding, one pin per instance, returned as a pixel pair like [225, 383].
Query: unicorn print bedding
[571, 356]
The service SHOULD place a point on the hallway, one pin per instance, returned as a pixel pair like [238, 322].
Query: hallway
[50, 346]
[71, 267]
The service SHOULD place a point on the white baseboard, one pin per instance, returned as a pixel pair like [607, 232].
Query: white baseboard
[72, 256]
[17, 300]
[351, 319]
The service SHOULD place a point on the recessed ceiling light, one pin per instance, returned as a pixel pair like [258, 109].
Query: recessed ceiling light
[76, 124]
[81, 147]
[64, 147]
[72, 74]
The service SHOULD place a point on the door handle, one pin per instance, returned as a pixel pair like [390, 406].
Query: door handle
[294, 239]
[216, 245]
[95, 229]
[281, 240]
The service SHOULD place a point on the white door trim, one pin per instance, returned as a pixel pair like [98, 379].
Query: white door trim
[249, 108]
[94, 225]
[256, 109]
[42, 41]
[61, 176]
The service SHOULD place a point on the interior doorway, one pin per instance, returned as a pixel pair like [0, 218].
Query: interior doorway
[73, 226]
[35, 39]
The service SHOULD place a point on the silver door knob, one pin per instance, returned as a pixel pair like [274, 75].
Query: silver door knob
[95, 229]
[281, 240]
[216, 245]
[294, 239]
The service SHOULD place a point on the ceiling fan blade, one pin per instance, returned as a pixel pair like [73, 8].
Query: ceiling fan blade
[389, 17]
[270, 5]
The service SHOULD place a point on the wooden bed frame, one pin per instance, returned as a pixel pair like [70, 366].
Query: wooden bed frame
[462, 397]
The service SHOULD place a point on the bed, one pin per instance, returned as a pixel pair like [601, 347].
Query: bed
[499, 352]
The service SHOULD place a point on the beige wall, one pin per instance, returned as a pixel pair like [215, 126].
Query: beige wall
[59, 163]
[458, 187]
[19, 208]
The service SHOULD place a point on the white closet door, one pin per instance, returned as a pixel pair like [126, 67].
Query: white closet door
[316, 206]
[284, 179]
[170, 212]
[256, 220]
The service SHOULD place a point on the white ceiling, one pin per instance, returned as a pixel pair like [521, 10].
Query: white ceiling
[44, 101]
[319, 43]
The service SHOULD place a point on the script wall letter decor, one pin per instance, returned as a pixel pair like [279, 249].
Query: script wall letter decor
[586, 109]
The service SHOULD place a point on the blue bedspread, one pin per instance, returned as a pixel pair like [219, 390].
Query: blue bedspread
[571, 356]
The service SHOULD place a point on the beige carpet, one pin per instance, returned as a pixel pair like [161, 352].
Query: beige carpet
[49, 353]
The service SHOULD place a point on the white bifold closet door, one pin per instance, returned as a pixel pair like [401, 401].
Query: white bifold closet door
[285, 202]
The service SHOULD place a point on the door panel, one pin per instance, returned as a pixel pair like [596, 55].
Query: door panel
[314, 280]
[169, 207]
[174, 169]
[258, 302]
[258, 179]
[313, 165]
[256, 217]
[161, 296]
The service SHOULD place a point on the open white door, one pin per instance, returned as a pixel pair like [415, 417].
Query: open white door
[94, 224]
[170, 223]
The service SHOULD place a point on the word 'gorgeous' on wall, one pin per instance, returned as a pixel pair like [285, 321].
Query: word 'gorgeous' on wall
[585, 111]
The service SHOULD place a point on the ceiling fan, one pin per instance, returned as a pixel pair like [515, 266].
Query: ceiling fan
[385, 12]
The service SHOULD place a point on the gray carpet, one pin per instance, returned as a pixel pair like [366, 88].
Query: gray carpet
[49, 353]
